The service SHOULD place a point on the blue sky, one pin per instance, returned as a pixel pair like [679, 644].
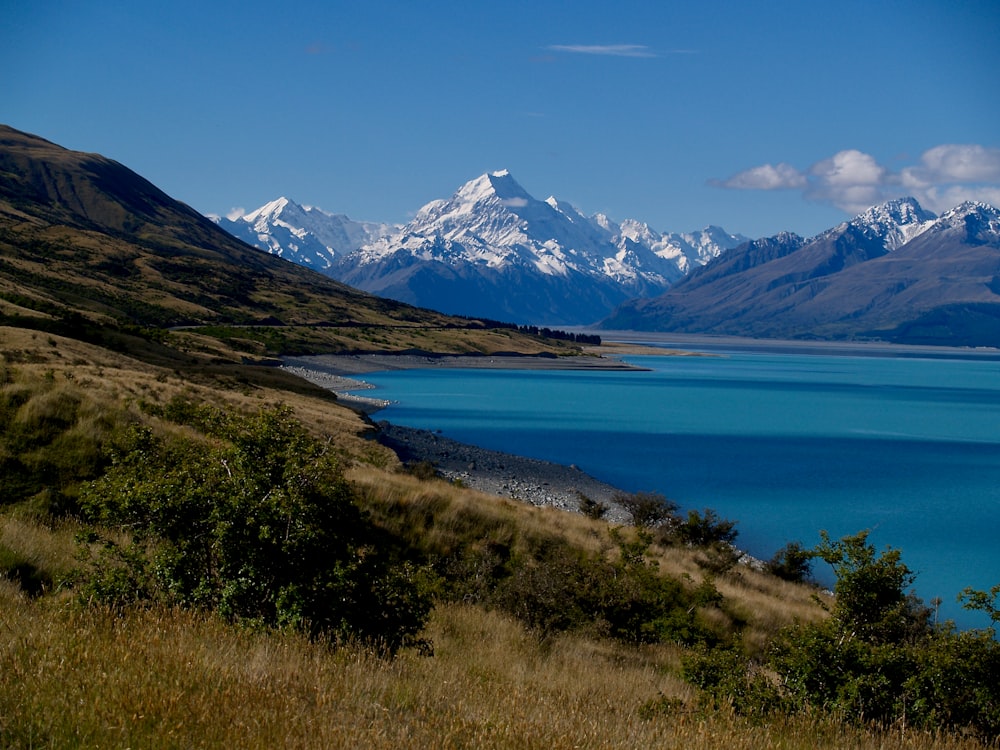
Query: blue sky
[758, 117]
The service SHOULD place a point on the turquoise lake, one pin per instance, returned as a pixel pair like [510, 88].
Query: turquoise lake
[786, 444]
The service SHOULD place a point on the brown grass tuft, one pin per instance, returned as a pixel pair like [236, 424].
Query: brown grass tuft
[87, 678]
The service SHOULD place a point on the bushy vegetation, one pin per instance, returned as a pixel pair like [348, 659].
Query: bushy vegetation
[705, 531]
[793, 562]
[194, 516]
[51, 438]
[254, 521]
[877, 659]
[553, 587]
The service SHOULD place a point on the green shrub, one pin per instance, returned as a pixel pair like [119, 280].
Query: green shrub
[648, 509]
[422, 469]
[793, 562]
[875, 660]
[552, 586]
[591, 508]
[256, 522]
[727, 677]
[701, 530]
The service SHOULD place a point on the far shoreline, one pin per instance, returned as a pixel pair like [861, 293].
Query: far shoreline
[702, 343]
[338, 372]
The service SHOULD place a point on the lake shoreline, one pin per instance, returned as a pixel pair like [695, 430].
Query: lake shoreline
[339, 372]
[706, 344]
[536, 482]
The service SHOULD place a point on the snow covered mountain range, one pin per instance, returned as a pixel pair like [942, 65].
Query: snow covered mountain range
[490, 250]
[303, 234]
[893, 273]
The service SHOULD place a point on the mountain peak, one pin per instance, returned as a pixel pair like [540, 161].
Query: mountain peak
[902, 210]
[896, 221]
[270, 211]
[499, 184]
[971, 207]
[980, 221]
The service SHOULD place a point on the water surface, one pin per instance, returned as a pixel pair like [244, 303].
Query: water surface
[787, 444]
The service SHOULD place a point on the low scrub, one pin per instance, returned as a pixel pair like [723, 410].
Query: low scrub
[51, 438]
[254, 521]
[877, 660]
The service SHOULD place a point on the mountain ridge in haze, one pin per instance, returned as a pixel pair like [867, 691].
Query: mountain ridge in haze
[493, 250]
[895, 272]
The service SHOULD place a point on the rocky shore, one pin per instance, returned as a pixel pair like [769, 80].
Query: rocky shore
[539, 483]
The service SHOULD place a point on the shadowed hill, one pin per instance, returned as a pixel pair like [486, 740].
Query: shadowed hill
[88, 242]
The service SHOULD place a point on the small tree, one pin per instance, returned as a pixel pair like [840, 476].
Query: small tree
[793, 562]
[648, 509]
[871, 598]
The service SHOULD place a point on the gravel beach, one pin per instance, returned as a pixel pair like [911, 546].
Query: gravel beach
[529, 480]
[539, 483]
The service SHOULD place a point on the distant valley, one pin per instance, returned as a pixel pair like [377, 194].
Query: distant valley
[895, 272]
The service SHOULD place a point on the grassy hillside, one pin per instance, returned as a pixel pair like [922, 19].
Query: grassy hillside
[199, 550]
[487, 670]
[91, 250]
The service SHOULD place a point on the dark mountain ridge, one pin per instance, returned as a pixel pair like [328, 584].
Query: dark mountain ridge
[911, 279]
[140, 241]
[88, 244]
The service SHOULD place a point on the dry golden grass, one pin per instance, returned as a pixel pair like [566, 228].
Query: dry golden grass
[110, 382]
[79, 678]
[441, 515]
[82, 677]
[49, 548]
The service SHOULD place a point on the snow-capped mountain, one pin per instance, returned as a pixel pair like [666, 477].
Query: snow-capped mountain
[493, 220]
[893, 223]
[303, 234]
[894, 272]
[493, 250]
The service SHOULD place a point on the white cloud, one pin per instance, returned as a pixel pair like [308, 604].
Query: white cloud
[953, 163]
[767, 177]
[853, 180]
[848, 168]
[615, 50]
[236, 213]
[962, 163]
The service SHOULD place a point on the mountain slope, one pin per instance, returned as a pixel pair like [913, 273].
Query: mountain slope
[493, 250]
[876, 276]
[302, 234]
[87, 245]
